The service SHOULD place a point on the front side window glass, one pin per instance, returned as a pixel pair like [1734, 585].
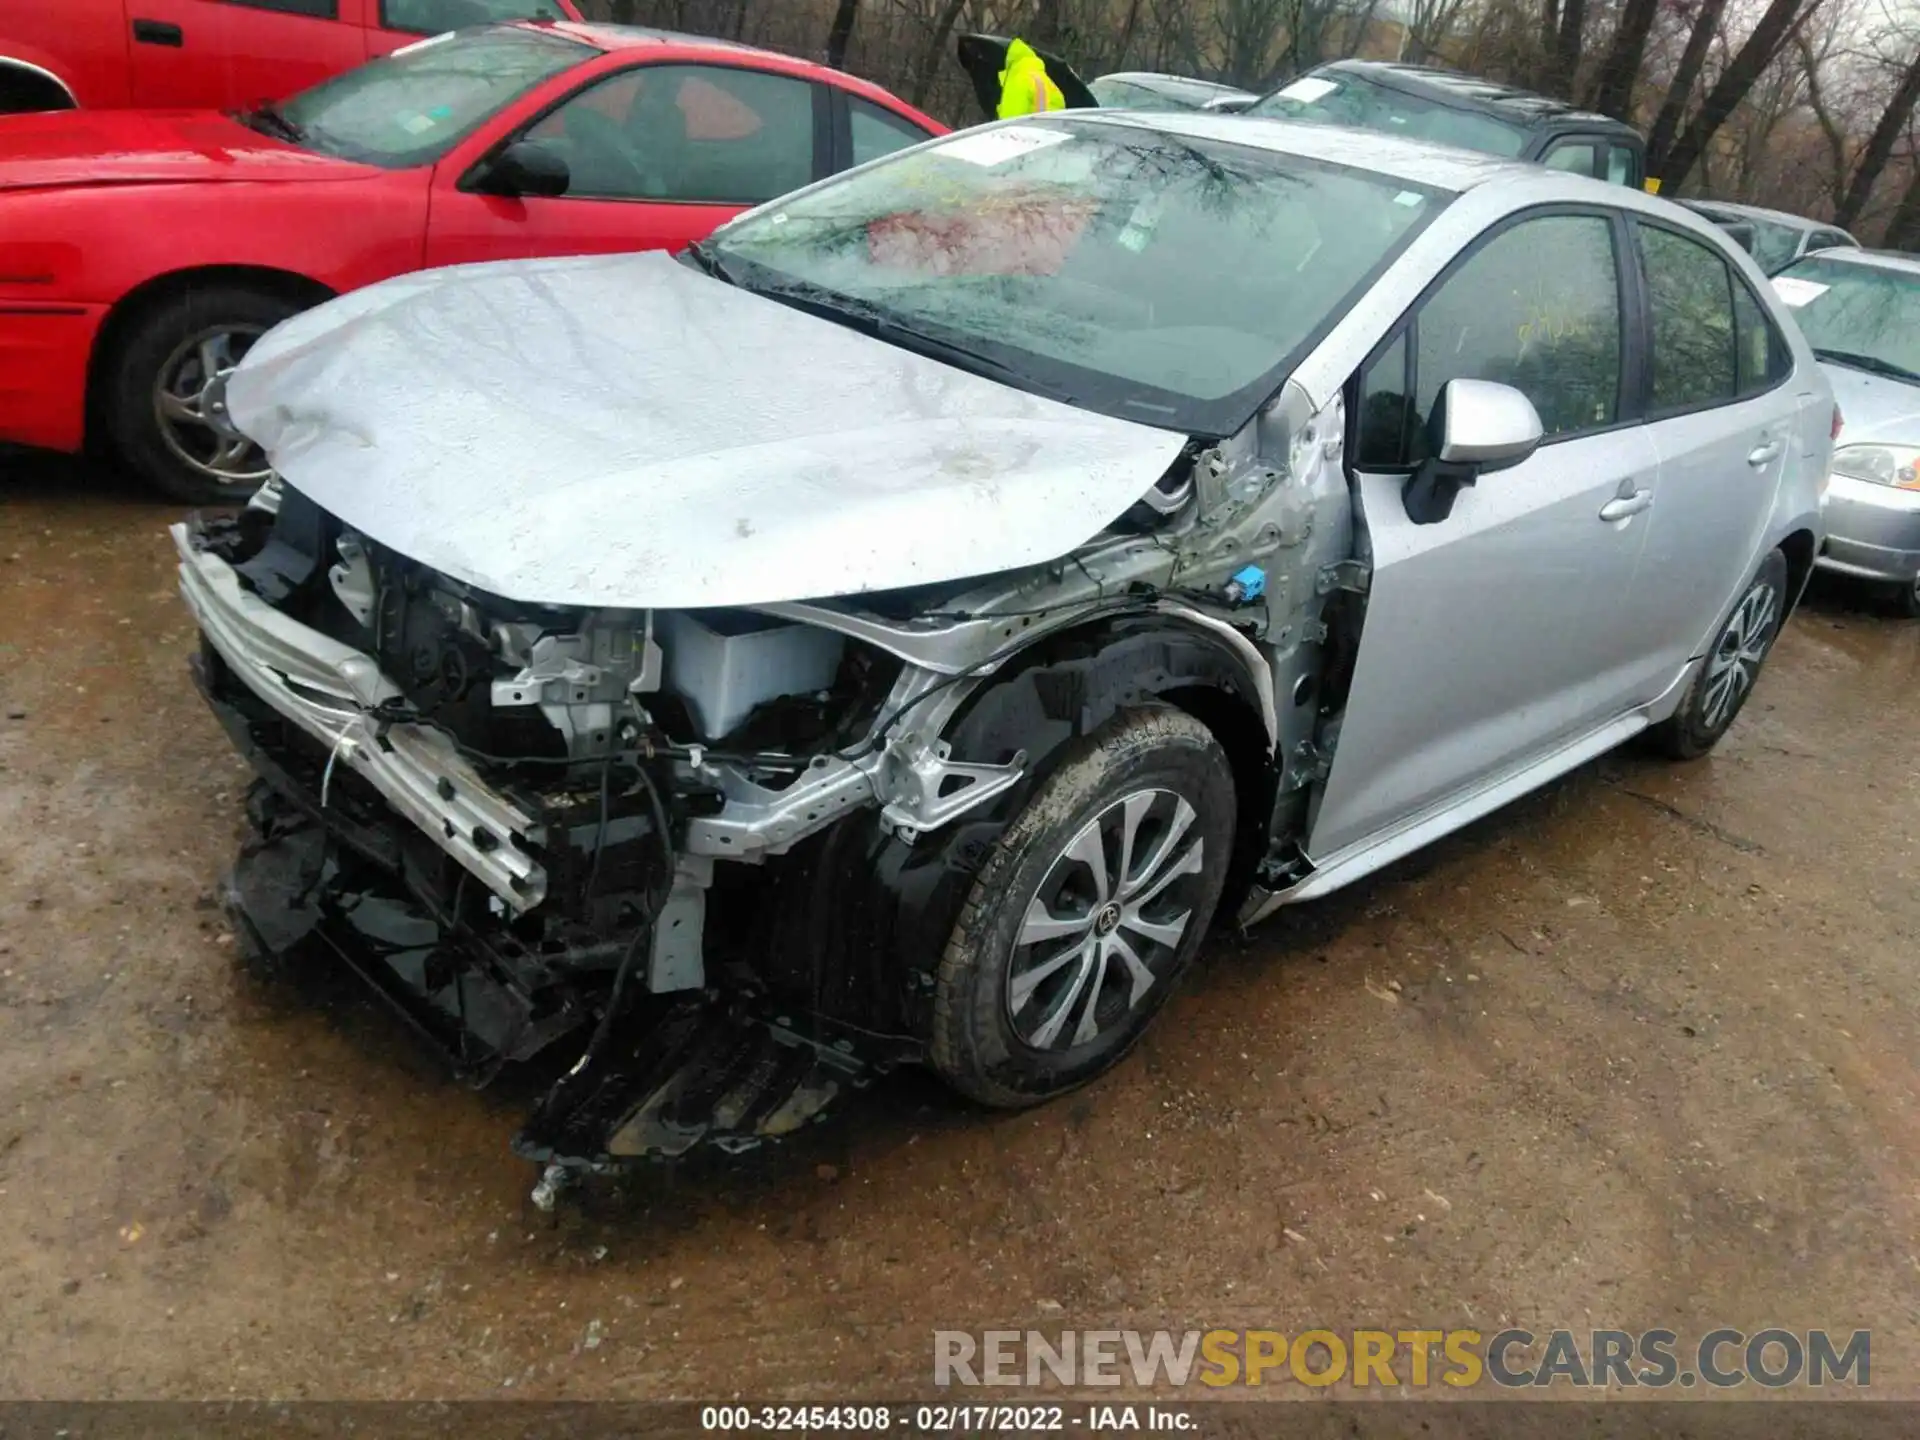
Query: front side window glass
[700, 133]
[1578, 159]
[1538, 308]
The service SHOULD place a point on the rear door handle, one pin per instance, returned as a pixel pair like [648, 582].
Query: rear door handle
[1765, 453]
[1624, 506]
[158, 32]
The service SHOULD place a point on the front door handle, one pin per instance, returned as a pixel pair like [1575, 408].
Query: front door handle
[1764, 453]
[158, 32]
[1625, 506]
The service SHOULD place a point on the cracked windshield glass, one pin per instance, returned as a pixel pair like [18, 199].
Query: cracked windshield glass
[1090, 262]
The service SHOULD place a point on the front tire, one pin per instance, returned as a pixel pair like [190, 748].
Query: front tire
[1721, 685]
[157, 396]
[1087, 912]
[1906, 600]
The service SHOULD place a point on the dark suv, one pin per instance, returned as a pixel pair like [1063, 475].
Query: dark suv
[1462, 110]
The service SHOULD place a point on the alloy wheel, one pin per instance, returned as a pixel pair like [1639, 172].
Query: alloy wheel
[1736, 660]
[1107, 921]
[189, 403]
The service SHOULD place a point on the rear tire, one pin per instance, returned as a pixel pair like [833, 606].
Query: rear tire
[1055, 969]
[155, 401]
[1720, 687]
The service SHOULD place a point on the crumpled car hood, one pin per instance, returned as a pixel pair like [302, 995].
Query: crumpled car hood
[626, 431]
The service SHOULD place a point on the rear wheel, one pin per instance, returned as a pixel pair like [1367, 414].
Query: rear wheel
[1721, 685]
[1087, 912]
[159, 393]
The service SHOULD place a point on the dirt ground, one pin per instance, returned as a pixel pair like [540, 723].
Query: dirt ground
[1640, 1051]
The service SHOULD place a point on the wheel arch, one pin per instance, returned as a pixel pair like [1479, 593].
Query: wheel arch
[144, 298]
[1068, 684]
[35, 82]
[863, 917]
[1799, 548]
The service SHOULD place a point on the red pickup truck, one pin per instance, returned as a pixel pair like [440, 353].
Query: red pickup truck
[212, 54]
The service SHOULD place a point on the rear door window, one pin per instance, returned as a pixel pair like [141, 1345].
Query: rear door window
[1623, 165]
[876, 131]
[1690, 292]
[1761, 358]
[1578, 157]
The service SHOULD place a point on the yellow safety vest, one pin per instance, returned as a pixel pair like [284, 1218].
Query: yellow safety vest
[1025, 86]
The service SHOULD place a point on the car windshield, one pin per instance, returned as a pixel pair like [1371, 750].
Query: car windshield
[414, 105]
[1337, 99]
[1141, 274]
[1863, 315]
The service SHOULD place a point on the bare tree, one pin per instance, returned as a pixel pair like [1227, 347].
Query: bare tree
[1776, 27]
[1428, 24]
[840, 33]
[1612, 92]
[1879, 146]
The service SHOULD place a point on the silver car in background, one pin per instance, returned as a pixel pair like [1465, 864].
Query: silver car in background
[1860, 311]
[1774, 238]
[897, 630]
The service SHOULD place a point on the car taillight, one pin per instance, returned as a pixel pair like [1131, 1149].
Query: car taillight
[1839, 423]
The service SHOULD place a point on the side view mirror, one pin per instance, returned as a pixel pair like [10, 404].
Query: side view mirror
[1477, 427]
[526, 167]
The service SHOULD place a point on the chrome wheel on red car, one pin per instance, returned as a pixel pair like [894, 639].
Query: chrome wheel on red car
[189, 405]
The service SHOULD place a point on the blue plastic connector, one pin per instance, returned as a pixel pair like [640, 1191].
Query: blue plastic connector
[1246, 586]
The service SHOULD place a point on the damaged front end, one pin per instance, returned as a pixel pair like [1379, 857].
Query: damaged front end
[507, 818]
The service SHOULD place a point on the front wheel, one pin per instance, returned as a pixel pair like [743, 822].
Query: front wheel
[1087, 911]
[160, 393]
[1721, 685]
[1906, 600]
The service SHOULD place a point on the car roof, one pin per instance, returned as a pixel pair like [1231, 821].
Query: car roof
[614, 39]
[1161, 77]
[1507, 102]
[1877, 259]
[1760, 212]
[1438, 167]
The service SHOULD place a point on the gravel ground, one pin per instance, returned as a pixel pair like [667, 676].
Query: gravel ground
[1639, 1051]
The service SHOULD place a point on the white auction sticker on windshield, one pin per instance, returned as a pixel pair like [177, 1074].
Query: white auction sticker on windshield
[1309, 88]
[996, 147]
[1797, 292]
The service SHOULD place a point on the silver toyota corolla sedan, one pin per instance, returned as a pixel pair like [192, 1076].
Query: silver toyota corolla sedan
[1860, 310]
[897, 630]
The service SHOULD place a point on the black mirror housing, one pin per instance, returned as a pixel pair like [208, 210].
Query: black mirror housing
[526, 167]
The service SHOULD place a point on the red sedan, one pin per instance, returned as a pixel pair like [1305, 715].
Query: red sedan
[142, 252]
[213, 54]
